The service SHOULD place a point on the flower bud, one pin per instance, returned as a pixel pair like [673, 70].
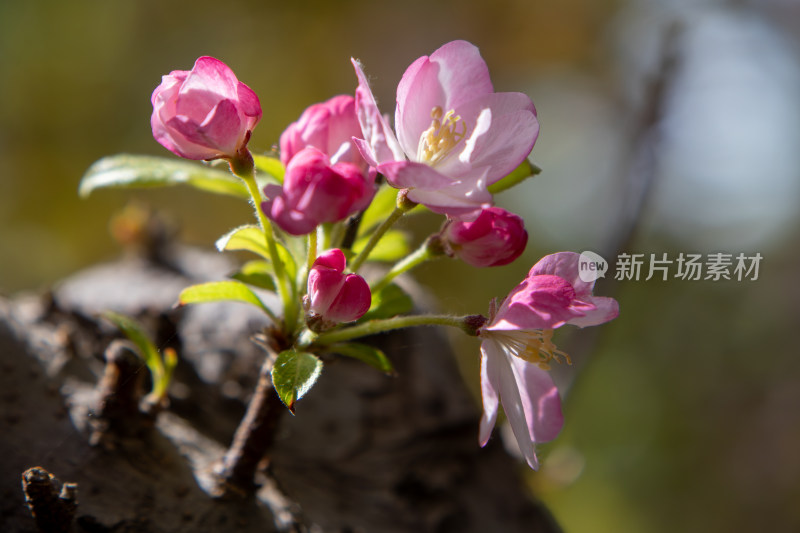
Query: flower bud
[328, 126]
[316, 191]
[204, 113]
[333, 296]
[495, 238]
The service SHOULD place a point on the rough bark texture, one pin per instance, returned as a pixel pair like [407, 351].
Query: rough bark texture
[365, 452]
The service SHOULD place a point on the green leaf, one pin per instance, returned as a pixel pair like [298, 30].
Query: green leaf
[294, 374]
[392, 246]
[257, 273]
[367, 354]
[128, 171]
[388, 302]
[383, 203]
[248, 237]
[525, 170]
[148, 351]
[217, 291]
[271, 166]
[251, 238]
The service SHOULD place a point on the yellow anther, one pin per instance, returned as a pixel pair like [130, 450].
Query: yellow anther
[442, 135]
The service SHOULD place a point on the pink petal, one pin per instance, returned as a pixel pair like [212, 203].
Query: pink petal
[377, 133]
[606, 309]
[508, 139]
[418, 93]
[539, 302]
[352, 302]
[324, 285]
[213, 78]
[491, 353]
[540, 399]
[515, 409]
[408, 174]
[333, 259]
[564, 265]
[249, 105]
[462, 73]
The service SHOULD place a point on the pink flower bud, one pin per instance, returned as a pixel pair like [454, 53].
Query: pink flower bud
[495, 238]
[316, 191]
[205, 113]
[328, 126]
[334, 296]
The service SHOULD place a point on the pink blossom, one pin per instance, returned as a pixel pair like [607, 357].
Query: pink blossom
[517, 348]
[315, 191]
[334, 296]
[455, 135]
[495, 238]
[328, 126]
[204, 113]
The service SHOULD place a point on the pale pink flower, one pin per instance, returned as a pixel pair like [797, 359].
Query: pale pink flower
[315, 191]
[495, 238]
[333, 296]
[517, 348]
[204, 113]
[455, 135]
[328, 126]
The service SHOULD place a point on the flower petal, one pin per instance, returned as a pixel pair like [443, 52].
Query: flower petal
[352, 302]
[333, 258]
[491, 353]
[508, 138]
[462, 73]
[564, 265]
[606, 309]
[377, 133]
[418, 92]
[209, 82]
[514, 407]
[436, 191]
[539, 302]
[540, 399]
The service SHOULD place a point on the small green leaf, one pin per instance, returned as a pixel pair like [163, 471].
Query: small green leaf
[251, 238]
[388, 302]
[294, 374]
[247, 237]
[367, 354]
[525, 170]
[127, 171]
[271, 166]
[392, 246]
[257, 273]
[383, 203]
[148, 351]
[217, 291]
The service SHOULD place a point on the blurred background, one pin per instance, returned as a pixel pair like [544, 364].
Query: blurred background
[666, 127]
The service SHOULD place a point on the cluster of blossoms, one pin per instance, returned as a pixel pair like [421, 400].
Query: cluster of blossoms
[454, 137]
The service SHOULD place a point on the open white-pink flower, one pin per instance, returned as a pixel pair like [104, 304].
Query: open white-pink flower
[454, 137]
[517, 348]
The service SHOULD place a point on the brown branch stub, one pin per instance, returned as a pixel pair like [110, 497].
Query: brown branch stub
[52, 510]
[120, 392]
[235, 473]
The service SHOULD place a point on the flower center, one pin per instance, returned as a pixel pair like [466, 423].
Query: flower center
[443, 134]
[536, 346]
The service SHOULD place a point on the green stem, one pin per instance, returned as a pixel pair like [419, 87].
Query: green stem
[419, 256]
[312, 249]
[286, 288]
[378, 326]
[402, 206]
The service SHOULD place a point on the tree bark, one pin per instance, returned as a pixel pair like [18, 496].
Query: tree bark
[365, 452]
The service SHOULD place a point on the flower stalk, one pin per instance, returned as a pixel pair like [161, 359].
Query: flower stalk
[371, 327]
